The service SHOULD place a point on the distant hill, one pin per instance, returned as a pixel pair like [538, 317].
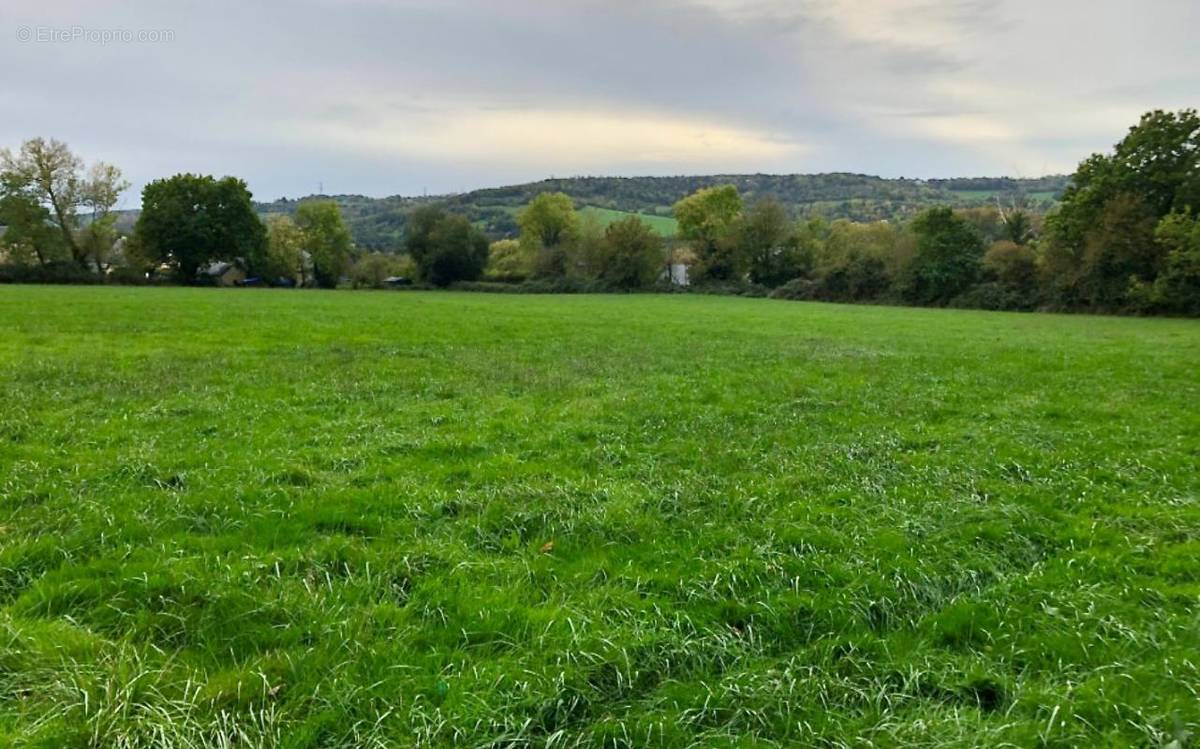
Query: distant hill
[378, 223]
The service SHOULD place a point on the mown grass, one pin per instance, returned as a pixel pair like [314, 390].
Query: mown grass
[240, 518]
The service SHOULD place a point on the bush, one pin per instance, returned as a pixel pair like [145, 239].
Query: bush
[993, 296]
[1011, 264]
[58, 272]
[798, 290]
[728, 288]
[372, 270]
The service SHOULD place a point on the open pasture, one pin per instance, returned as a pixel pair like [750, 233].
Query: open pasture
[267, 518]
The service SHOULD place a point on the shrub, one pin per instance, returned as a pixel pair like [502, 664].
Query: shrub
[993, 296]
[61, 272]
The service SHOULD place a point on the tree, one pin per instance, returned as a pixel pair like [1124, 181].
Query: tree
[549, 220]
[1018, 228]
[1011, 264]
[632, 254]
[325, 239]
[948, 257]
[707, 219]
[1153, 171]
[445, 247]
[775, 250]
[374, 268]
[855, 262]
[28, 230]
[1118, 251]
[1177, 287]
[54, 178]
[509, 260]
[549, 226]
[190, 220]
[286, 257]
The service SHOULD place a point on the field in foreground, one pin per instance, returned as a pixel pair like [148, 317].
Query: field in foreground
[306, 519]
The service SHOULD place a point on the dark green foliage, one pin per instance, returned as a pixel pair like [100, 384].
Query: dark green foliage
[854, 262]
[1153, 171]
[1177, 287]
[56, 272]
[445, 247]
[1119, 250]
[776, 249]
[1010, 273]
[191, 220]
[948, 257]
[632, 255]
[1018, 229]
[28, 232]
[993, 295]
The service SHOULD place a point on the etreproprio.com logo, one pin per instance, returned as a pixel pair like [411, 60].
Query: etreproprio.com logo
[90, 35]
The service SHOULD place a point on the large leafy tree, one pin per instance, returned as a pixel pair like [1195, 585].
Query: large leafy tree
[632, 254]
[854, 262]
[1153, 171]
[708, 219]
[948, 257]
[1177, 287]
[549, 220]
[326, 239]
[446, 247]
[776, 250]
[191, 220]
[28, 231]
[549, 228]
[286, 258]
[51, 175]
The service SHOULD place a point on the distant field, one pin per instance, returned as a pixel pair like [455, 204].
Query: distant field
[664, 225]
[239, 518]
[988, 195]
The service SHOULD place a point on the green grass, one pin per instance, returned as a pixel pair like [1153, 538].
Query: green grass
[329, 519]
[664, 226]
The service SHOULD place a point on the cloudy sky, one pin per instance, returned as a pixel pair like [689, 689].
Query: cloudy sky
[403, 96]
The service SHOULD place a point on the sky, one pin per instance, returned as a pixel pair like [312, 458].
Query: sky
[385, 97]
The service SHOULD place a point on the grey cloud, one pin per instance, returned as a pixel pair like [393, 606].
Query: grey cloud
[248, 88]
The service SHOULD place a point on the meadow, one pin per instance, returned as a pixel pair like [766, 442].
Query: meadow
[246, 518]
[664, 226]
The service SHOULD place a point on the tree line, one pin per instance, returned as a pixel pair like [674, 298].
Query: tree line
[1125, 238]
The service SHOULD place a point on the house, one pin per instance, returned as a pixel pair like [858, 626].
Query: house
[676, 274]
[222, 273]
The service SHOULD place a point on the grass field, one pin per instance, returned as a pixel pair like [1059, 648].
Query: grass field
[664, 226]
[331, 519]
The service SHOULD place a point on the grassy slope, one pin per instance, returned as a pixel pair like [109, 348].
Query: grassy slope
[316, 519]
[664, 226]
